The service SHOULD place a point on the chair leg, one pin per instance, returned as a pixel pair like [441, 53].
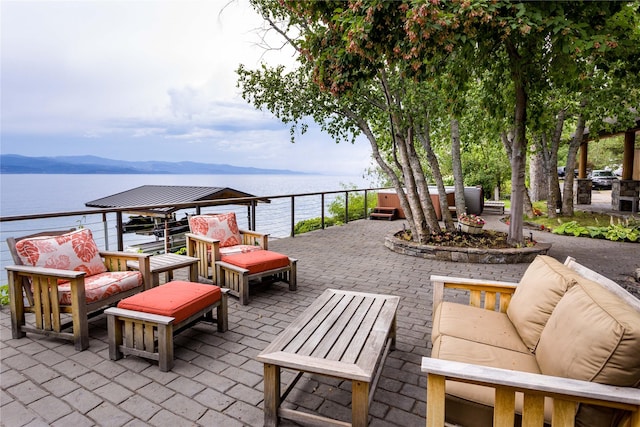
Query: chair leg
[293, 274]
[243, 292]
[165, 347]
[16, 302]
[114, 326]
[223, 312]
[79, 316]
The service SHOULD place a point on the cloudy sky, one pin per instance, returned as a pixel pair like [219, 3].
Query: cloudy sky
[146, 80]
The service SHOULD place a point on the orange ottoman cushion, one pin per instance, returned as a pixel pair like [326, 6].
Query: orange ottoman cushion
[258, 261]
[175, 299]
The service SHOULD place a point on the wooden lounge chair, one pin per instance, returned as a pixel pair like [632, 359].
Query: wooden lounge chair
[214, 235]
[60, 275]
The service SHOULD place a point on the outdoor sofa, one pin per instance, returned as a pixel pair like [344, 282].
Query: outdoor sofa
[566, 336]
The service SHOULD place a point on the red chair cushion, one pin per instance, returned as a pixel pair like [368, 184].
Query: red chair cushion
[175, 299]
[257, 261]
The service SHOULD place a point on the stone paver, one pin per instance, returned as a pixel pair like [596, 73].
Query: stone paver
[216, 380]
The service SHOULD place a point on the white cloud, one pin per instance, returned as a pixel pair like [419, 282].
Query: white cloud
[136, 79]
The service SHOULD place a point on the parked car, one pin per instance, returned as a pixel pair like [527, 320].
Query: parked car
[562, 172]
[602, 179]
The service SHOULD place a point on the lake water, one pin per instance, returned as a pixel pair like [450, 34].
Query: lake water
[39, 193]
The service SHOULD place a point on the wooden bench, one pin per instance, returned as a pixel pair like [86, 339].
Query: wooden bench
[381, 212]
[342, 334]
[494, 206]
[144, 325]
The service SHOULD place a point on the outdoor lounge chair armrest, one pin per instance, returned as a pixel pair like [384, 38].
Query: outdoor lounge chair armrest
[476, 287]
[44, 271]
[202, 238]
[252, 237]
[566, 392]
[118, 260]
[130, 256]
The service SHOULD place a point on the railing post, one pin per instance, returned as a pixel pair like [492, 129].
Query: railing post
[322, 210]
[119, 227]
[253, 215]
[346, 207]
[293, 216]
[106, 231]
[366, 205]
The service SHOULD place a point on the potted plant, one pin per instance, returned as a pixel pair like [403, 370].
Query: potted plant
[469, 223]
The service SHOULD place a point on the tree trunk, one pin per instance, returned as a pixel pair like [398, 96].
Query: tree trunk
[538, 173]
[574, 145]
[457, 168]
[388, 170]
[422, 188]
[555, 197]
[518, 162]
[518, 146]
[411, 190]
[527, 206]
[425, 139]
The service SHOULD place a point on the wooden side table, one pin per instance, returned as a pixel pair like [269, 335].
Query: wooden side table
[166, 263]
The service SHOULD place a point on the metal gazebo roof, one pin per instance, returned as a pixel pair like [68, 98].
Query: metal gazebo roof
[166, 195]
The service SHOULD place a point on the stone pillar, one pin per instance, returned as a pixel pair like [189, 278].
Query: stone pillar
[582, 191]
[615, 195]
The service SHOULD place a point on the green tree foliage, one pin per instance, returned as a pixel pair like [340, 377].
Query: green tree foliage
[397, 72]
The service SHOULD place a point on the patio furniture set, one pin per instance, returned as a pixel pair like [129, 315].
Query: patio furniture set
[565, 337]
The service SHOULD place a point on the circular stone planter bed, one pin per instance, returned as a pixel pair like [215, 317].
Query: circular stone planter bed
[472, 255]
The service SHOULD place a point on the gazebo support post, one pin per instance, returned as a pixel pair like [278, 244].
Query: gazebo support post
[628, 154]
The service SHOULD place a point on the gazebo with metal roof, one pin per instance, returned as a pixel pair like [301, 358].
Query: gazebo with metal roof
[162, 201]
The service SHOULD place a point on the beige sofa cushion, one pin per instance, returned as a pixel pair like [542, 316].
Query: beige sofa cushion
[543, 284]
[476, 324]
[466, 351]
[592, 335]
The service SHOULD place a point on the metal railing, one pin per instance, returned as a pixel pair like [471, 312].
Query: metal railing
[277, 216]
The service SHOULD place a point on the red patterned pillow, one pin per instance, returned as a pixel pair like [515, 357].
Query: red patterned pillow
[75, 251]
[222, 227]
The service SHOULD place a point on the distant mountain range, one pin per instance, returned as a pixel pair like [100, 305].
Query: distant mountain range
[15, 164]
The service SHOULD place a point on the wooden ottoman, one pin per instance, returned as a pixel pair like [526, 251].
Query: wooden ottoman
[235, 271]
[144, 325]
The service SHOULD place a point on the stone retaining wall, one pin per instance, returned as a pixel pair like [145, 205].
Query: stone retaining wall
[472, 255]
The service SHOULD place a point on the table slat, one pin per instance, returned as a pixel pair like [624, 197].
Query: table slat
[298, 324]
[341, 329]
[378, 336]
[342, 342]
[325, 328]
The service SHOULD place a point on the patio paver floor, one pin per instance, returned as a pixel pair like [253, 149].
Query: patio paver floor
[217, 382]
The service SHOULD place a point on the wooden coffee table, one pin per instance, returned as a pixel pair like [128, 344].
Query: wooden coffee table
[342, 334]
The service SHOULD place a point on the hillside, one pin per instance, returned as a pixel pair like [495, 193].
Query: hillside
[15, 164]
